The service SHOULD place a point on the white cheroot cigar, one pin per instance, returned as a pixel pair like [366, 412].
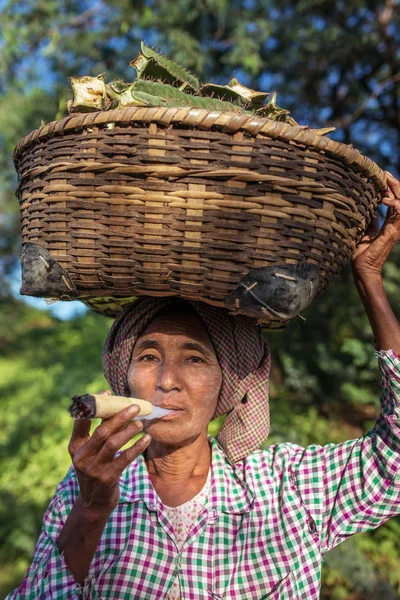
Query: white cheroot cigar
[104, 406]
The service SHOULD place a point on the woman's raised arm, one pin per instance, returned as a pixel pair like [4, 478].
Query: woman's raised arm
[368, 260]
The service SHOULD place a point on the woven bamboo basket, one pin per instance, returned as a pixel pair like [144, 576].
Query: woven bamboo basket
[187, 202]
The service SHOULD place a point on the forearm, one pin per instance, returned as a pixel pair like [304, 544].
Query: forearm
[79, 539]
[384, 324]
[98, 466]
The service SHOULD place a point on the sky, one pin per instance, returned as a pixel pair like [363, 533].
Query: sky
[61, 309]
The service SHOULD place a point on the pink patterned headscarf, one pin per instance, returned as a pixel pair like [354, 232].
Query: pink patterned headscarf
[241, 352]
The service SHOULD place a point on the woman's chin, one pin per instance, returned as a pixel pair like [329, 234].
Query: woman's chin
[170, 433]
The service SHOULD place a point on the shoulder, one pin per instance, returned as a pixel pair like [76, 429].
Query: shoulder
[269, 466]
[282, 457]
[274, 457]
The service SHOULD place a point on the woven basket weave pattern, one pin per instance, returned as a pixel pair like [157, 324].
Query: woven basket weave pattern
[147, 208]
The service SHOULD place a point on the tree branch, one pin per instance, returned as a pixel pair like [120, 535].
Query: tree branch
[349, 119]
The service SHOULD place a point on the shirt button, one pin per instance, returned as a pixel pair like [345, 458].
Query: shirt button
[212, 517]
[312, 526]
[178, 561]
[153, 506]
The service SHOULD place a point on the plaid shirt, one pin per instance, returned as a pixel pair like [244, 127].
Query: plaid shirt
[263, 532]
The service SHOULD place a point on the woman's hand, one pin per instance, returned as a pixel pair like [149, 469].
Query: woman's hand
[374, 248]
[94, 457]
[368, 260]
[98, 470]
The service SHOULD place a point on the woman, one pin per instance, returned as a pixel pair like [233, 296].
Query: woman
[177, 515]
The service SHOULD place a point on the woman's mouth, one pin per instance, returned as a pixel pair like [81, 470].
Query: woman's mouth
[162, 412]
[175, 412]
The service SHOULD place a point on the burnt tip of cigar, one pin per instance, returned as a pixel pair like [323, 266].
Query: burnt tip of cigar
[83, 407]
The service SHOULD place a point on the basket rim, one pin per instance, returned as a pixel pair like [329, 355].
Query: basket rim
[202, 119]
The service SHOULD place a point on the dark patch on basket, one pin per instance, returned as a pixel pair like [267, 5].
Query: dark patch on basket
[42, 276]
[282, 291]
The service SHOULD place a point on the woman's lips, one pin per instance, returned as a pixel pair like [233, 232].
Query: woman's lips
[172, 415]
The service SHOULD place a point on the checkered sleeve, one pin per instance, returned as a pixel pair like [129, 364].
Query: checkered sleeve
[48, 576]
[355, 486]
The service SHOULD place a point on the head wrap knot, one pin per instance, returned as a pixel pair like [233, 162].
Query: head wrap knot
[241, 352]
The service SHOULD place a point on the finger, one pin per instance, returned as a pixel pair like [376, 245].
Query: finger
[105, 393]
[390, 233]
[391, 177]
[116, 441]
[393, 183]
[393, 203]
[111, 426]
[79, 437]
[131, 453]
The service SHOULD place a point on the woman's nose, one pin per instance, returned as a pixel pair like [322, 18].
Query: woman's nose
[169, 378]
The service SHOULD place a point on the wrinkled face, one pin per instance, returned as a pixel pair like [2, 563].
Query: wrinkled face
[174, 366]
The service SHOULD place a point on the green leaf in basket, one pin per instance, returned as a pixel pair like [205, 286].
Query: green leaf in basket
[162, 82]
[274, 112]
[149, 64]
[119, 94]
[89, 93]
[222, 92]
[152, 93]
[143, 99]
[249, 95]
[118, 86]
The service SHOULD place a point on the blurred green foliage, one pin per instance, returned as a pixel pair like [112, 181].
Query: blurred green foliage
[333, 63]
[46, 362]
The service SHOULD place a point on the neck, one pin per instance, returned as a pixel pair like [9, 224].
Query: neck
[177, 465]
[178, 474]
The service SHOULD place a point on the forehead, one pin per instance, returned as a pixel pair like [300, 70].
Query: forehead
[178, 324]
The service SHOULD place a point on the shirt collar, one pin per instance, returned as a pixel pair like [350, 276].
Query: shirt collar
[228, 493]
[135, 484]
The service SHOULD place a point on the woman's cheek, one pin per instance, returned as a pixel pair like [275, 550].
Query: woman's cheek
[140, 380]
[207, 390]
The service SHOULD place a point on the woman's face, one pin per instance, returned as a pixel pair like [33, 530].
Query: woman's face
[174, 366]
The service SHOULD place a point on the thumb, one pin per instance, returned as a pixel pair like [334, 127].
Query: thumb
[369, 234]
[373, 227]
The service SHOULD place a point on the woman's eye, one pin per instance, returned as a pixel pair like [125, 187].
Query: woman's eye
[196, 359]
[148, 357]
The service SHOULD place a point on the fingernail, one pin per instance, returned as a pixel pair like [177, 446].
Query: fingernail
[146, 438]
